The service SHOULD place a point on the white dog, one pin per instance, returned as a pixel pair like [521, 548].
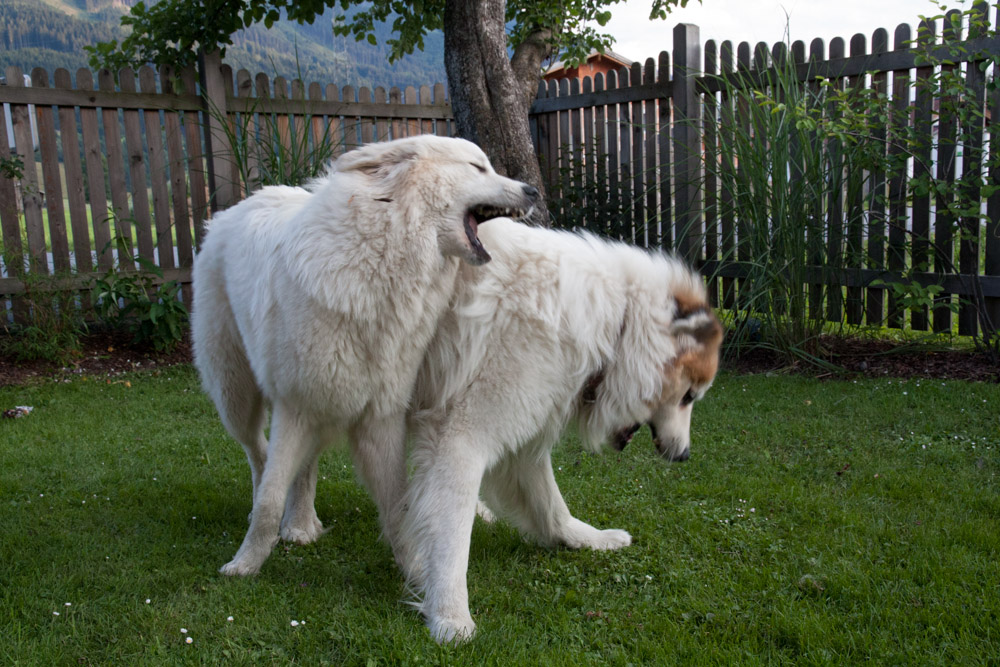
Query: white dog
[319, 303]
[558, 327]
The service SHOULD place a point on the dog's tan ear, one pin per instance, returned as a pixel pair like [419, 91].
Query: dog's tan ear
[375, 159]
[698, 333]
[696, 320]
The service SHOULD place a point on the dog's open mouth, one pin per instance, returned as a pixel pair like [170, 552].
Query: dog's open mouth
[476, 216]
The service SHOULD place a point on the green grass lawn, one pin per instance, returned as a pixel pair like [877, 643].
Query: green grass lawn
[817, 522]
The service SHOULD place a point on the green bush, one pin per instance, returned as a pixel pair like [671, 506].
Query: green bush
[133, 301]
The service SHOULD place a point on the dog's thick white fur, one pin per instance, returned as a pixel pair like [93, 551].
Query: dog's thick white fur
[559, 327]
[319, 302]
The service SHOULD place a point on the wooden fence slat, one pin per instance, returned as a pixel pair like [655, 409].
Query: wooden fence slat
[875, 296]
[220, 162]
[991, 265]
[382, 123]
[178, 177]
[835, 203]
[710, 123]
[551, 148]
[815, 229]
[649, 172]
[972, 164]
[540, 135]
[97, 189]
[334, 123]
[625, 229]
[616, 199]
[367, 126]
[300, 133]
[727, 122]
[687, 142]
[10, 222]
[900, 120]
[230, 169]
[197, 169]
[246, 129]
[663, 140]
[576, 170]
[268, 137]
[157, 167]
[31, 193]
[412, 124]
[441, 125]
[137, 163]
[944, 222]
[855, 179]
[591, 204]
[318, 136]
[920, 200]
[638, 162]
[350, 122]
[565, 157]
[52, 181]
[742, 126]
[72, 165]
[426, 125]
[120, 218]
[600, 158]
[283, 123]
[397, 125]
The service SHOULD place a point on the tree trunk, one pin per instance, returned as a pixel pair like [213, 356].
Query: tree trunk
[490, 96]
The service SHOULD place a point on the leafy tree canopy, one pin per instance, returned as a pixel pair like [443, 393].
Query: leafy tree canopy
[172, 33]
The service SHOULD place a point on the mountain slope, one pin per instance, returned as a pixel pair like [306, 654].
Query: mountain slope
[52, 33]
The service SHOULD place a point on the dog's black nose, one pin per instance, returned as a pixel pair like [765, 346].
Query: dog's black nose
[530, 191]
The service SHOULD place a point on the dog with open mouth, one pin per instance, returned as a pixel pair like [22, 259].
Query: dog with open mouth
[317, 304]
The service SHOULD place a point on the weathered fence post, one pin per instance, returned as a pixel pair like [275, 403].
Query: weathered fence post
[219, 156]
[687, 142]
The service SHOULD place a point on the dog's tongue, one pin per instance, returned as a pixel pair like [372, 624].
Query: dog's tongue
[472, 232]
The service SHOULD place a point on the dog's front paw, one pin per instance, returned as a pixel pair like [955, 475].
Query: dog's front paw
[239, 568]
[307, 533]
[580, 535]
[451, 630]
[611, 539]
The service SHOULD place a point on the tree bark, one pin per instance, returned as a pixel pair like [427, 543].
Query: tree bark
[490, 96]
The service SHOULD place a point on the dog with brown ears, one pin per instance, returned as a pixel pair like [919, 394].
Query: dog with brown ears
[558, 328]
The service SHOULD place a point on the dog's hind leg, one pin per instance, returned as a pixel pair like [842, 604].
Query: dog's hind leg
[227, 376]
[291, 448]
[523, 488]
[378, 446]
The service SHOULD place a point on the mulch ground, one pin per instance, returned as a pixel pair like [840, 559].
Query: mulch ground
[107, 354]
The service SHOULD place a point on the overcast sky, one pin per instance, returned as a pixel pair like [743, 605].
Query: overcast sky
[638, 38]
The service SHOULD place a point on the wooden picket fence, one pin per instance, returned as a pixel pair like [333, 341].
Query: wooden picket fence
[143, 160]
[624, 155]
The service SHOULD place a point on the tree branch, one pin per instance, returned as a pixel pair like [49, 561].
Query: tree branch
[527, 62]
